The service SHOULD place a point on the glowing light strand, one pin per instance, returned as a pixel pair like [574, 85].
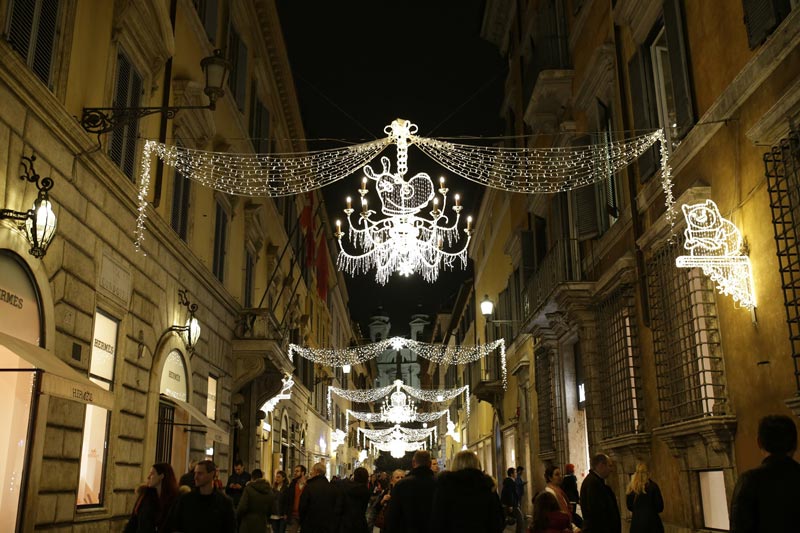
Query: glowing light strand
[715, 245]
[377, 417]
[373, 395]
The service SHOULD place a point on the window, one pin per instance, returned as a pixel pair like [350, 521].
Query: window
[544, 392]
[96, 421]
[249, 278]
[688, 356]
[617, 344]
[761, 17]
[610, 201]
[259, 123]
[237, 55]
[207, 11]
[220, 242]
[714, 500]
[180, 204]
[211, 399]
[127, 93]
[32, 33]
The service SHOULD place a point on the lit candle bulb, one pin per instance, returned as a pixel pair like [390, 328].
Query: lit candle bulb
[469, 222]
[349, 202]
[435, 203]
[441, 181]
[364, 182]
[364, 204]
[338, 225]
[458, 199]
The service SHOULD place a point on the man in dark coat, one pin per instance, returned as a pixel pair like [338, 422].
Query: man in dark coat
[255, 505]
[412, 498]
[320, 504]
[291, 502]
[204, 510]
[599, 505]
[766, 498]
[236, 482]
[510, 500]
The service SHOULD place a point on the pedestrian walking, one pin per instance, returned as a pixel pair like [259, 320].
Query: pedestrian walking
[554, 481]
[598, 503]
[236, 482]
[355, 499]
[154, 500]
[255, 504]
[510, 500]
[320, 504]
[766, 498]
[204, 509]
[292, 499]
[548, 516]
[570, 487]
[464, 500]
[521, 487]
[379, 488]
[412, 497]
[644, 501]
[277, 518]
[187, 480]
[382, 504]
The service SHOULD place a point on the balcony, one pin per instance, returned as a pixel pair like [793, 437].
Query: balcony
[486, 379]
[556, 268]
[259, 340]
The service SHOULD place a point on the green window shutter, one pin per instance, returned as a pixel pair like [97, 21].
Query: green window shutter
[679, 68]
[643, 103]
[761, 17]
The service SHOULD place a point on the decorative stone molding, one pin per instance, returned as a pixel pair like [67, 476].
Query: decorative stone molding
[497, 18]
[578, 24]
[628, 450]
[550, 96]
[255, 226]
[195, 127]
[598, 82]
[703, 443]
[774, 125]
[622, 272]
[144, 30]
[639, 16]
[794, 404]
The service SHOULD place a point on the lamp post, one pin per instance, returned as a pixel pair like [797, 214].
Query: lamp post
[101, 120]
[40, 220]
[191, 331]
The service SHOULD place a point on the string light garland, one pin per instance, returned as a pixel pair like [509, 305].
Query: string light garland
[715, 245]
[437, 353]
[284, 394]
[406, 241]
[398, 433]
[525, 170]
[372, 418]
[373, 395]
[337, 439]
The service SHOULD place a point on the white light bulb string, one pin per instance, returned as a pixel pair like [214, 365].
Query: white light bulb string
[372, 395]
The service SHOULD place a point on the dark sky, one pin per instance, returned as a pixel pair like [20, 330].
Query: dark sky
[358, 65]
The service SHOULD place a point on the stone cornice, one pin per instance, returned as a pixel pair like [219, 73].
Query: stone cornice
[715, 432]
[598, 81]
[621, 272]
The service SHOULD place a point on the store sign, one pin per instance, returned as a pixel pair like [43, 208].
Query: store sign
[19, 309]
[114, 280]
[173, 377]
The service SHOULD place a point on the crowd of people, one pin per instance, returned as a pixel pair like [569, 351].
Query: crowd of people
[462, 499]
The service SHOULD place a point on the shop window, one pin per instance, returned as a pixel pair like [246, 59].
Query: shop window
[96, 421]
[127, 93]
[211, 399]
[220, 242]
[32, 33]
[714, 500]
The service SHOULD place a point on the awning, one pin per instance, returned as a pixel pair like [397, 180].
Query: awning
[58, 378]
[213, 431]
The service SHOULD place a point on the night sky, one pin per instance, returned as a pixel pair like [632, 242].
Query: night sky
[357, 66]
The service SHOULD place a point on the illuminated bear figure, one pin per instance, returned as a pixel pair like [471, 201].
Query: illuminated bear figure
[708, 234]
[400, 197]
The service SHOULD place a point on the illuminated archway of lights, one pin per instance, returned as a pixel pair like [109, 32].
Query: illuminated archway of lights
[437, 353]
[373, 395]
[715, 245]
[524, 170]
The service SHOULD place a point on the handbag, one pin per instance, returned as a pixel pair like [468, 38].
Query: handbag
[380, 519]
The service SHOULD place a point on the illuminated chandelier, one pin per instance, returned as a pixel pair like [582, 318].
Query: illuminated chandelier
[406, 241]
[398, 408]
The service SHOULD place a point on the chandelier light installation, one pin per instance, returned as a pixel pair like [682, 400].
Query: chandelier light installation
[373, 395]
[715, 245]
[416, 235]
[524, 170]
[398, 408]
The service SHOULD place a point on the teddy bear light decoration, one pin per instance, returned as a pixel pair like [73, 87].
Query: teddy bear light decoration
[715, 245]
[405, 241]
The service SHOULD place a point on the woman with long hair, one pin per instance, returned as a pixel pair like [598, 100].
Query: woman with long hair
[554, 480]
[464, 500]
[548, 516]
[644, 502]
[277, 517]
[155, 499]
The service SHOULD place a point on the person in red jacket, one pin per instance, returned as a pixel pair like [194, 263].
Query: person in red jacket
[548, 516]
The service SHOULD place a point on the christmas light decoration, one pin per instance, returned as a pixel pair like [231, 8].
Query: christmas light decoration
[405, 241]
[284, 394]
[337, 439]
[372, 395]
[398, 433]
[525, 170]
[437, 353]
[715, 246]
[378, 417]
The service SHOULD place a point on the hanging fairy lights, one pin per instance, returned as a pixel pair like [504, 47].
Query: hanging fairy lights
[399, 433]
[373, 395]
[284, 394]
[337, 439]
[406, 240]
[437, 353]
[372, 418]
[715, 245]
[525, 170]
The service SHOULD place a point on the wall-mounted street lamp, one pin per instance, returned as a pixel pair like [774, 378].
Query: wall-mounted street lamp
[39, 222]
[106, 119]
[487, 310]
[190, 332]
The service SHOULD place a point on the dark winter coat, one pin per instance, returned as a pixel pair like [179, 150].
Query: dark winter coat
[199, 513]
[767, 498]
[645, 508]
[599, 506]
[255, 506]
[355, 499]
[465, 502]
[570, 488]
[240, 479]
[508, 496]
[146, 513]
[187, 479]
[411, 504]
[279, 502]
[320, 506]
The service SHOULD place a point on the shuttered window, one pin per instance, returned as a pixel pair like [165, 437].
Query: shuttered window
[761, 17]
[32, 33]
[127, 93]
[220, 242]
[180, 204]
[249, 278]
[645, 114]
[207, 10]
[584, 202]
[237, 55]
[259, 123]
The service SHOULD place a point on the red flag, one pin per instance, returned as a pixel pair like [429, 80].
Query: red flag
[307, 222]
[322, 269]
